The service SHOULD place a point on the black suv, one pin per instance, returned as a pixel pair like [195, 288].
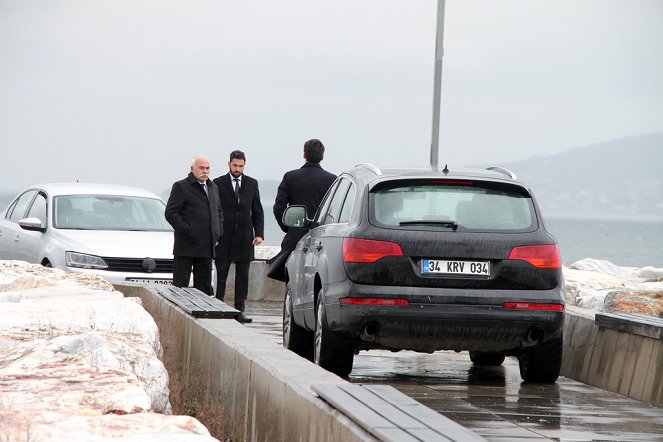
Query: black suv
[426, 260]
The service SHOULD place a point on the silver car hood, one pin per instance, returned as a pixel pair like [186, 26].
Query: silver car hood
[119, 244]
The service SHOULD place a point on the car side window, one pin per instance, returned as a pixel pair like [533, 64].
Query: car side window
[38, 209]
[21, 205]
[348, 205]
[333, 212]
[324, 204]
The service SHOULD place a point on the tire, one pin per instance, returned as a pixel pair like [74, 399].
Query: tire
[330, 352]
[295, 338]
[486, 359]
[542, 363]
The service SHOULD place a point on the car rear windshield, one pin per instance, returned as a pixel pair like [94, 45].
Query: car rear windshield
[466, 206]
[106, 212]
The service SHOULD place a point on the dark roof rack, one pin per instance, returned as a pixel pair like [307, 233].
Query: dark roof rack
[506, 172]
[370, 167]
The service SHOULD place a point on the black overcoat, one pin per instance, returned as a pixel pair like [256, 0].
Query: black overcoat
[241, 222]
[304, 186]
[196, 218]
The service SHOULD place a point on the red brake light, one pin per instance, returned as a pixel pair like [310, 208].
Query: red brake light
[453, 182]
[533, 306]
[545, 256]
[368, 250]
[374, 301]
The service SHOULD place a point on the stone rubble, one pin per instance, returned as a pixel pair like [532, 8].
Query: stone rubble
[602, 286]
[80, 362]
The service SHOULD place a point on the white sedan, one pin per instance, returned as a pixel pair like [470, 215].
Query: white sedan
[117, 232]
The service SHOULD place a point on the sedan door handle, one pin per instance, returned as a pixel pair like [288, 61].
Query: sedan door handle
[318, 246]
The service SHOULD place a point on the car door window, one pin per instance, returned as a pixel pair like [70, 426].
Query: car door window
[22, 204]
[348, 205]
[38, 209]
[324, 204]
[333, 212]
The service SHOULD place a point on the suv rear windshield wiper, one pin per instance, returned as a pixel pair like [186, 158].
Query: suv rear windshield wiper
[425, 222]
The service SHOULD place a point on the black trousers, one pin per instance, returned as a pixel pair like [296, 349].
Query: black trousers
[241, 281]
[202, 273]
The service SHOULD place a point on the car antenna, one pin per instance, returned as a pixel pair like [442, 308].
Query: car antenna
[445, 170]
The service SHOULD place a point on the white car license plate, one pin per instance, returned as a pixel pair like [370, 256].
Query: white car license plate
[455, 267]
[151, 281]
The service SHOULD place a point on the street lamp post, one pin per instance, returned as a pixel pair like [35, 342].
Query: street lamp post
[439, 52]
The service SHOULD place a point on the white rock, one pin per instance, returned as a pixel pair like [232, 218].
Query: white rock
[589, 282]
[80, 362]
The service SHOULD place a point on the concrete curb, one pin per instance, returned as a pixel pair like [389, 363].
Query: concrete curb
[616, 361]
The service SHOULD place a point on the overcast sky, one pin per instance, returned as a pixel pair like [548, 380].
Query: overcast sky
[129, 91]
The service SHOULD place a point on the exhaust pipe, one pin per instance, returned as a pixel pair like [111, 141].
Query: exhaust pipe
[369, 332]
[534, 335]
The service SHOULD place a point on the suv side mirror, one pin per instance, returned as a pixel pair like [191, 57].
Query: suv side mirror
[295, 216]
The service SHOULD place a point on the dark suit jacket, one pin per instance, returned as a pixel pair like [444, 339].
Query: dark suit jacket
[304, 186]
[241, 222]
[196, 218]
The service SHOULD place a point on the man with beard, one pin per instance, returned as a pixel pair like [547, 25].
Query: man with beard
[243, 228]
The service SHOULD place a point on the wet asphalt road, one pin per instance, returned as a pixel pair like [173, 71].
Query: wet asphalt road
[493, 401]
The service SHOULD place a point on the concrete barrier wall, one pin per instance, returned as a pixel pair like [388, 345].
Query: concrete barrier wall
[616, 361]
[261, 287]
[240, 383]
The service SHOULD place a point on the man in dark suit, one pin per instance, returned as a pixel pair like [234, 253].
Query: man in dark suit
[243, 228]
[304, 186]
[194, 211]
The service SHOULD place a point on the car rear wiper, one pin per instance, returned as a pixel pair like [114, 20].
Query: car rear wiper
[425, 222]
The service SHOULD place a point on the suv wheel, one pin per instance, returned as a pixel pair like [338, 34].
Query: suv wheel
[542, 363]
[330, 352]
[489, 359]
[295, 338]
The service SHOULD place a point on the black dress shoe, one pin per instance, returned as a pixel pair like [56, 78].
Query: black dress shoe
[243, 318]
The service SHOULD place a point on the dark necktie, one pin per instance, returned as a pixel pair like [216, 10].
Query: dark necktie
[236, 180]
[204, 186]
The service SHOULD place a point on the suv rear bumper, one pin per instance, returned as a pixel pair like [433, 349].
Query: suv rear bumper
[432, 321]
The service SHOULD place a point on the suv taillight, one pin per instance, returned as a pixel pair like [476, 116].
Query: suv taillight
[533, 306]
[368, 250]
[544, 256]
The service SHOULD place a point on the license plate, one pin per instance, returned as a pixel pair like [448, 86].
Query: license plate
[455, 267]
[151, 281]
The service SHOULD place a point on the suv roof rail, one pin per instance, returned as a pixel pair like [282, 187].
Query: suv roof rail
[506, 172]
[370, 167]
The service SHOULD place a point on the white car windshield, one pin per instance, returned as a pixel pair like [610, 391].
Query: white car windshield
[109, 212]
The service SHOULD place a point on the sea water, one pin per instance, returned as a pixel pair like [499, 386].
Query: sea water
[624, 242]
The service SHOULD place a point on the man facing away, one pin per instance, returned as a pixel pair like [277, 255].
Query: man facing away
[304, 186]
[243, 228]
[194, 211]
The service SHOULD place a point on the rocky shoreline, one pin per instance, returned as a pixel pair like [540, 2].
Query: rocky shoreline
[80, 362]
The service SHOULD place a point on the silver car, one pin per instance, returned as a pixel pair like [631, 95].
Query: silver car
[117, 232]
